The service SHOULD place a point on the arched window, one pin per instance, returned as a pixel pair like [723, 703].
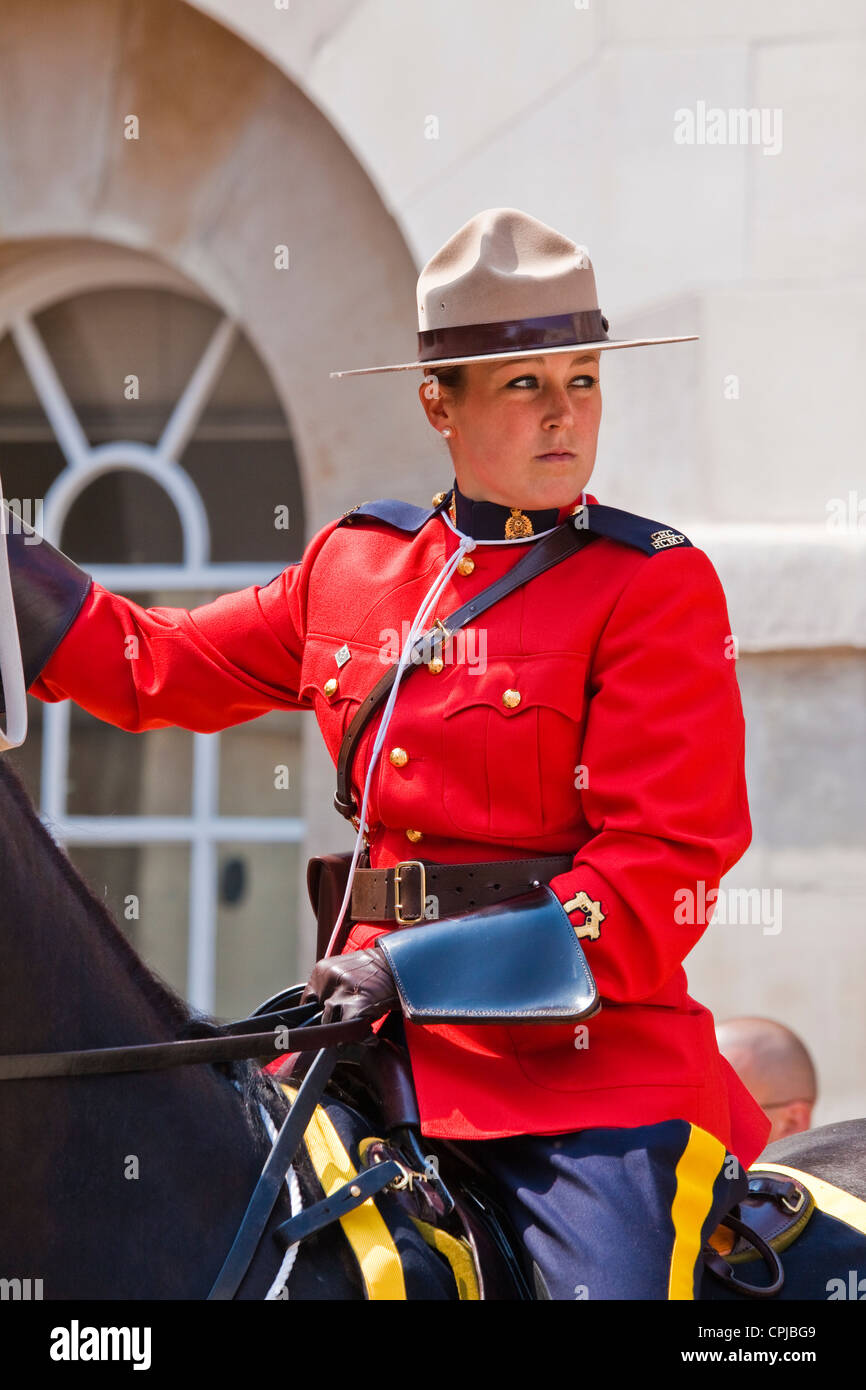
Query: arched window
[140, 431]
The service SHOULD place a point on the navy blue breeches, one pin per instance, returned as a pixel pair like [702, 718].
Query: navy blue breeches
[614, 1213]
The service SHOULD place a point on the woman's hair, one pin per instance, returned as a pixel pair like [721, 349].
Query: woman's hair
[452, 377]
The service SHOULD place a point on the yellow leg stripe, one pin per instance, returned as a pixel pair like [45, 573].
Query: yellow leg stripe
[696, 1173]
[835, 1201]
[364, 1228]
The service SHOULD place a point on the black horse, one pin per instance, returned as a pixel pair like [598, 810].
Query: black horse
[133, 1186]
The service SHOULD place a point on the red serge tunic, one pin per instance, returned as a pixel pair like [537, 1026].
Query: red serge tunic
[625, 749]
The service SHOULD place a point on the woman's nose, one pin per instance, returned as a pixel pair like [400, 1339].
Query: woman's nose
[556, 405]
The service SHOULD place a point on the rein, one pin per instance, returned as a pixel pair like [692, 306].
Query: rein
[230, 1042]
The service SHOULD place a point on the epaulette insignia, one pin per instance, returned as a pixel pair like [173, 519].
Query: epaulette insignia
[404, 515]
[639, 531]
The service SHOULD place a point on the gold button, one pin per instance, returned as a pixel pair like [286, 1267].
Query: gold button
[438, 497]
[466, 565]
[511, 699]
[398, 757]
[414, 835]
[330, 687]
[435, 666]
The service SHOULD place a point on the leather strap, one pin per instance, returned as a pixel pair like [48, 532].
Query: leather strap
[220, 1046]
[543, 555]
[273, 1175]
[365, 1185]
[457, 887]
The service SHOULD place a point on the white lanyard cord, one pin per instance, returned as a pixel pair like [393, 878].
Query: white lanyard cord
[420, 623]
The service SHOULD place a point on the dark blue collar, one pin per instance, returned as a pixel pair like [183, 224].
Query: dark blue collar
[486, 521]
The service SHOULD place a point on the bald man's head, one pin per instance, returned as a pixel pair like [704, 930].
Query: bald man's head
[775, 1066]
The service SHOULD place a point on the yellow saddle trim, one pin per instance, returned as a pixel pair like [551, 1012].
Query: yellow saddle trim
[834, 1201]
[364, 1228]
[458, 1254]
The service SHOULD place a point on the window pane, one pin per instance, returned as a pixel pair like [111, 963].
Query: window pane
[260, 767]
[123, 518]
[243, 482]
[98, 339]
[112, 772]
[146, 890]
[30, 457]
[257, 936]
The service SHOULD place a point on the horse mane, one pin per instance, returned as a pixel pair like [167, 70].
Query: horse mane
[169, 1005]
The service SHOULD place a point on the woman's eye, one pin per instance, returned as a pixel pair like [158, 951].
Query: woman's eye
[586, 381]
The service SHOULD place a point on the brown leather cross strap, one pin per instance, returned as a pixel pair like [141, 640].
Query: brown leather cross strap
[399, 894]
[566, 540]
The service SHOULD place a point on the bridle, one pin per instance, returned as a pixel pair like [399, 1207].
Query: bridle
[255, 1036]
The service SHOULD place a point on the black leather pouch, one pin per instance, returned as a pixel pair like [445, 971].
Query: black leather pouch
[327, 876]
[518, 961]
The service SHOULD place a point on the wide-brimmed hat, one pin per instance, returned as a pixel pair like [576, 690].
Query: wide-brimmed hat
[503, 286]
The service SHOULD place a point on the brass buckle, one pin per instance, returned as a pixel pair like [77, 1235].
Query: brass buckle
[398, 906]
[429, 643]
[790, 1206]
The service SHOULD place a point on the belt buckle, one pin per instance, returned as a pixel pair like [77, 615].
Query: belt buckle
[398, 906]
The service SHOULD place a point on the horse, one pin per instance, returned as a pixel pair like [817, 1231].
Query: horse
[134, 1185]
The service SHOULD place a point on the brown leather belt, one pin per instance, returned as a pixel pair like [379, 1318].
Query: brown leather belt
[399, 894]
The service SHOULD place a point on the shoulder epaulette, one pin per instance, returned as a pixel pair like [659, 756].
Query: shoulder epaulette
[639, 531]
[404, 515]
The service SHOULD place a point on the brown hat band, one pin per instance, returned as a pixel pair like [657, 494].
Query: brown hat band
[474, 339]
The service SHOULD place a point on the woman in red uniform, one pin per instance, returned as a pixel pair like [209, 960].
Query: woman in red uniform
[589, 737]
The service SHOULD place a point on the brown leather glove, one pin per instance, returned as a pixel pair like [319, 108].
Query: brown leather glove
[356, 985]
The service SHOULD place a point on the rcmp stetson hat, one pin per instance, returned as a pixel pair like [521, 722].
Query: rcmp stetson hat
[506, 284]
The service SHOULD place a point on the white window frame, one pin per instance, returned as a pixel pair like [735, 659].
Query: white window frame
[62, 275]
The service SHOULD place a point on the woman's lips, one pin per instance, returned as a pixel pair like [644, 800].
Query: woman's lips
[557, 456]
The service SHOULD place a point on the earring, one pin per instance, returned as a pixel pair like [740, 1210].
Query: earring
[446, 433]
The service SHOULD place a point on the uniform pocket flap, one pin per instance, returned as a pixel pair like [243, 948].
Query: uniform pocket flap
[512, 685]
